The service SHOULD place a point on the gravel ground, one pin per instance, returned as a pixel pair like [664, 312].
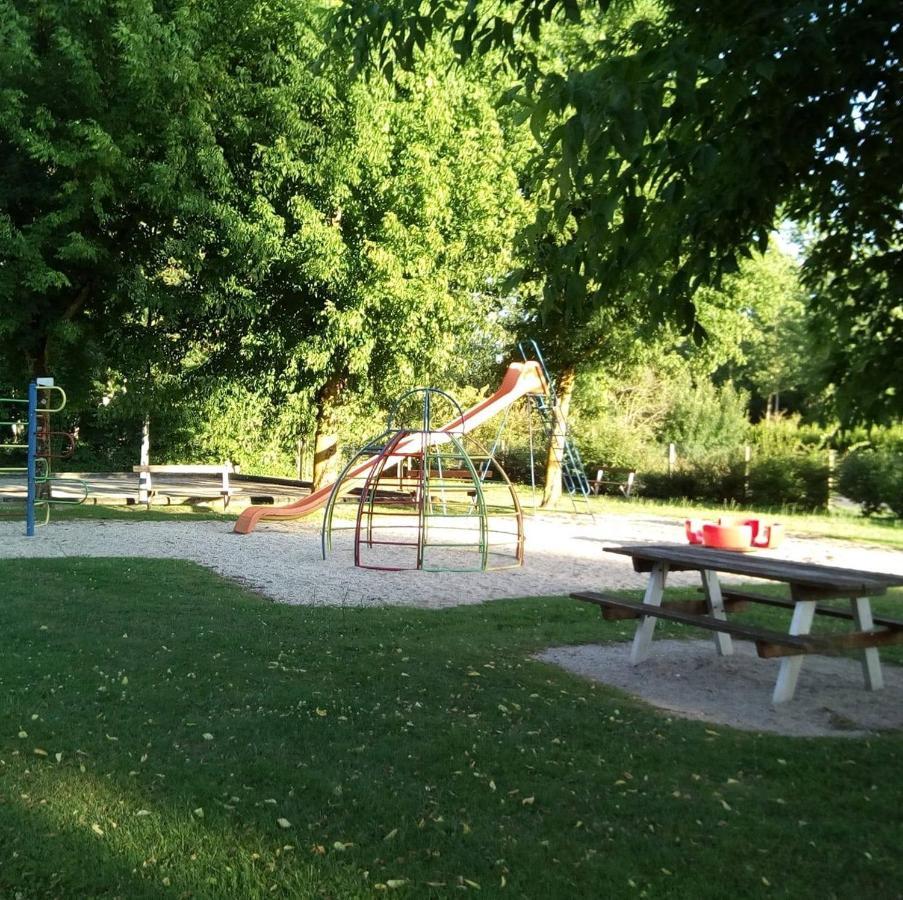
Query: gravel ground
[283, 562]
[689, 679]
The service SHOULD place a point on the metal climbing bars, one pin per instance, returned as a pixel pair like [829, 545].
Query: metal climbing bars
[40, 443]
[423, 503]
[573, 474]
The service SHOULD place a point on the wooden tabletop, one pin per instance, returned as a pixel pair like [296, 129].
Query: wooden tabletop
[755, 565]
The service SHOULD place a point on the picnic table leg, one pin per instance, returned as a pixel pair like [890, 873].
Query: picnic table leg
[871, 662]
[655, 589]
[715, 603]
[801, 623]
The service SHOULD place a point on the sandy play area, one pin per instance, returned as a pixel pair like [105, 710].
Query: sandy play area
[690, 680]
[563, 554]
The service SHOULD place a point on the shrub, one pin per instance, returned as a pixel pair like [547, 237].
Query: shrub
[873, 478]
[713, 481]
[782, 435]
[705, 419]
[796, 480]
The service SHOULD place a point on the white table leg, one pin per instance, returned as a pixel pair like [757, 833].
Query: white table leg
[655, 589]
[715, 603]
[801, 623]
[871, 663]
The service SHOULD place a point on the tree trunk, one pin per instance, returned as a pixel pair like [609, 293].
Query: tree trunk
[555, 452]
[326, 441]
[38, 358]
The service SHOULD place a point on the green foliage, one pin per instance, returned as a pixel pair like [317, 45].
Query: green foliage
[877, 437]
[618, 416]
[873, 478]
[717, 481]
[789, 481]
[706, 420]
[797, 481]
[671, 135]
[123, 136]
[765, 327]
[785, 435]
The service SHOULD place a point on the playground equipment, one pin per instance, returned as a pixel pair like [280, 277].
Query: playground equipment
[573, 473]
[433, 513]
[529, 378]
[520, 380]
[41, 445]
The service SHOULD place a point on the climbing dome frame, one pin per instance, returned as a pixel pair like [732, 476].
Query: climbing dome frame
[422, 502]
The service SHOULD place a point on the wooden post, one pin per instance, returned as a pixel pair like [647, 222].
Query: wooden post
[747, 458]
[144, 480]
[299, 458]
[672, 459]
[832, 465]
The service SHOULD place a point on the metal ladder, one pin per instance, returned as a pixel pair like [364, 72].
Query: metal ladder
[573, 473]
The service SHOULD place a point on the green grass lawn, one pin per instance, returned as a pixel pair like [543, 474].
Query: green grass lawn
[66, 512]
[163, 732]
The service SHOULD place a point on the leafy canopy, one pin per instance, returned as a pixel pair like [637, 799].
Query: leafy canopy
[673, 135]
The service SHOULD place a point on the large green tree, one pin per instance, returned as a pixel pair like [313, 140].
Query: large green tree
[126, 132]
[397, 208]
[673, 139]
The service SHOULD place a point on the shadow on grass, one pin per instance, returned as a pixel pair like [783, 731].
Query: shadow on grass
[230, 745]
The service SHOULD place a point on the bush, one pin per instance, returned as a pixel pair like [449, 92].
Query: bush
[873, 478]
[715, 481]
[705, 419]
[783, 435]
[794, 480]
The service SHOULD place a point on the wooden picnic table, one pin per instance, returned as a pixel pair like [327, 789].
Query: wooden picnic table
[809, 586]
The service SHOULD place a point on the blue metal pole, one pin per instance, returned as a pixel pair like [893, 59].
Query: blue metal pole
[32, 457]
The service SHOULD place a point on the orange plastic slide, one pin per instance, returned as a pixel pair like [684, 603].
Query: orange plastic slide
[520, 379]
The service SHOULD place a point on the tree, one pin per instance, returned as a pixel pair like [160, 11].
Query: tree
[125, 133]
[671, 141]
[393, 246]
[776, 353]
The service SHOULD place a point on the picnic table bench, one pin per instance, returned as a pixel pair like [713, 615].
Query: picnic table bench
[619, 480]
[809, 586]
[145, 474]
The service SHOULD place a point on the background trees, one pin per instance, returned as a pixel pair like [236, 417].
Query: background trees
[391, 252]
[123, 132]
[204, 215]
[673, 136]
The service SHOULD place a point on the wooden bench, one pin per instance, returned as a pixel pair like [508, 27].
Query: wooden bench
[145, 474]
[743, 598]
[621, 481]
[768, 643]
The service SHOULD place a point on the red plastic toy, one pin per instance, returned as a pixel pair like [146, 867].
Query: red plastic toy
[731, 533]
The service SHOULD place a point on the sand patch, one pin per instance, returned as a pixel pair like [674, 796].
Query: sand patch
[688, 679]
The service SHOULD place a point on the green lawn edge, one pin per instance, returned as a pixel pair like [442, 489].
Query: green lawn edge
[413, 751]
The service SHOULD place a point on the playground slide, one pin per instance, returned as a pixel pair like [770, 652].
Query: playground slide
[520, 379]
